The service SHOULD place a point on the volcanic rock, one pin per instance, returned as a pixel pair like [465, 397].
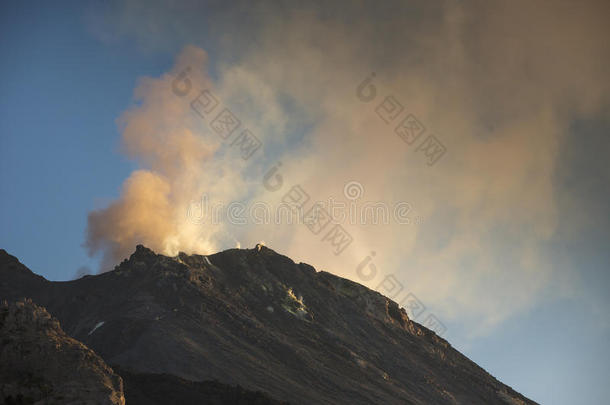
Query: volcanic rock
[254, 318]
[40, 364]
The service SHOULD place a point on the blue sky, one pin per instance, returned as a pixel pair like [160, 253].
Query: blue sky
[61, 96]
[69, 73]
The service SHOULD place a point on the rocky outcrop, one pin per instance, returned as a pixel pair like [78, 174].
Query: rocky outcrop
[254, 318]
[40, 364]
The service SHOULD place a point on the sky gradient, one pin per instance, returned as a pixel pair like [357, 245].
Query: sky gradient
[508, 238]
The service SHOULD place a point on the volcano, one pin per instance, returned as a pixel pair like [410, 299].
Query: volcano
[251, 323]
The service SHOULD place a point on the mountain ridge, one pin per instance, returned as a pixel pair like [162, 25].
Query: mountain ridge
[39, 363]
[302, 335]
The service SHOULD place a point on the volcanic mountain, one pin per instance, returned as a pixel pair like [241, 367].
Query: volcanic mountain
[254, 318]
[39, 363]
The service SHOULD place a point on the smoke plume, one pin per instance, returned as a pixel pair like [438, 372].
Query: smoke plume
[498, 86]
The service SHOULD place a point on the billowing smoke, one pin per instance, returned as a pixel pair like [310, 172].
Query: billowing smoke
[176, 163]
[497, 85]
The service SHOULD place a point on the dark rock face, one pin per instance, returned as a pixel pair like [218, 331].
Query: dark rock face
[163, 389]
[255, 318]
[40, 364]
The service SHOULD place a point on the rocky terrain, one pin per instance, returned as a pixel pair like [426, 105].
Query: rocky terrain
[163, 389]
[254, 318]
[39, 363]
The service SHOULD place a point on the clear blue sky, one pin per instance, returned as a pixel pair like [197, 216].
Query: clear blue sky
[64, 84]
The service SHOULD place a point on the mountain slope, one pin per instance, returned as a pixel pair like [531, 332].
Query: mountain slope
[255, 318]
[164, 389]
[39, 362]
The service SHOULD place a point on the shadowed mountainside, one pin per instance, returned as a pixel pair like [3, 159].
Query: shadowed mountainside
[163, 389]
[39, 362]
[255, 318]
